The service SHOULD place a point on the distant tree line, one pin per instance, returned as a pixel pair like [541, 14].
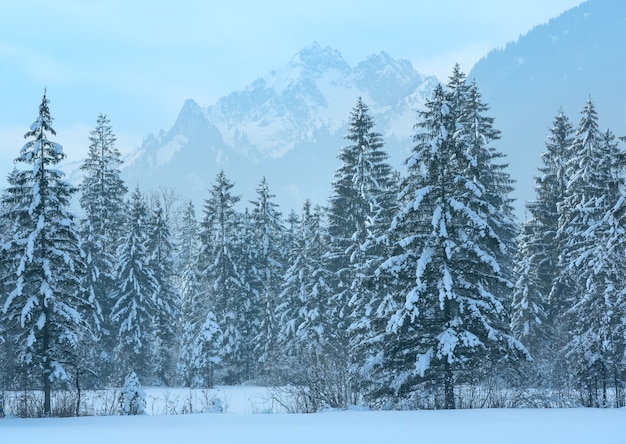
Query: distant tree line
[405, 291]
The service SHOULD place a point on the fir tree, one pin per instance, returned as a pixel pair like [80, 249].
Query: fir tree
[451, 317]
[200, 352]
[48, 314]
[305, 321]
[534, 315]
[161, 263]
[224, 285]
[267, 268]
[529, 317]
[195, 309]
[133, 396]
[361, 206]
[589, 277]
[134, 314]
[102, 201]
[187, 238]
[247, 256]
[610, 269]
[308, 338]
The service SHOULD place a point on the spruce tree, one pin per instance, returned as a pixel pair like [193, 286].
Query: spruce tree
[267, 272]
[161, 263]
[47, 312]
[201, 336]
[187, 238]
[360, 209]
[102, 201]
[200, 352]
[305, 317]
[223, 281]
[451, 317]
[535, 316]
[248, 255]
[609, 265]
[591, 274]
[308, 338]
[135, 312]
[194, 311]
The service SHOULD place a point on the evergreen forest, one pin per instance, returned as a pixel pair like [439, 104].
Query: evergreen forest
[408, 289]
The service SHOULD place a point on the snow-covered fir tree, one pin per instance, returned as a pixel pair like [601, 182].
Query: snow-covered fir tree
[200, 352]
[303, 311]
[161, 263]
[223, 282]
[267, 272]
[194, 310]
[313, 352]
[360, 209]
[187, 239]
[450, 319]
[529, 317]
[201, 337]
[591, 272]
[102, 202]
[534, 318]
[610, 268]
[135, 311]
[247, 253]
[47, 313]
[475, 133]
[133, 396]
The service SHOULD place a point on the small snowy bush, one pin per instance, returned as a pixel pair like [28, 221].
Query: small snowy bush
[133, 396]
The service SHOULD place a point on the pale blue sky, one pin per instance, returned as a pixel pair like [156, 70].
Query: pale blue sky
[137, 61]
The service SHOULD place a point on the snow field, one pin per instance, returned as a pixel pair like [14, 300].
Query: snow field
[511, 426]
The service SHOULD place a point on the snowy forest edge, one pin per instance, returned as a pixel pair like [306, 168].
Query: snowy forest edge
[407, 290]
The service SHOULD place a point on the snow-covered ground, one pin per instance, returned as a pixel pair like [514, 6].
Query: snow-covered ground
[245, 422]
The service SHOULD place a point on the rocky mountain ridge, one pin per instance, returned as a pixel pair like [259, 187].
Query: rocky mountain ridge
[286, 126]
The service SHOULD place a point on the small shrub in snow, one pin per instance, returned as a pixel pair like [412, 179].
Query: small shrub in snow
[215, 406]
[133, 396]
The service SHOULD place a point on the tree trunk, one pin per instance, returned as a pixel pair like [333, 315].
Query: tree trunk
[78, 392]
[448, 386]
[47, 371]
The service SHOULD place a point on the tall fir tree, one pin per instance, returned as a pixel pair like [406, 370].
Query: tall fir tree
[589, 277]
[267, 269]
[48, 314]
[313, 354]
[223, 282]
[135, 312]
[304, 314]
[360, 209]
[201, 335]
[187, 238]
[535, 316]
[247, 255]
[610, 268]
[161, 263]
[450, 240]
[102, 201]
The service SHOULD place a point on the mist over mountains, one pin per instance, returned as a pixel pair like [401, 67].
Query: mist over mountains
[288, 125]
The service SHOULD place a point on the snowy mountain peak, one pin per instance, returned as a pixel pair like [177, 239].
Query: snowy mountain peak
[386, 79]
[191, 119]
[287, 125]
[316, 59]
[190, 108]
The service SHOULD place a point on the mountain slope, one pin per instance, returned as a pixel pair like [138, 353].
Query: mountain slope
[286, 126]
[559, 64]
